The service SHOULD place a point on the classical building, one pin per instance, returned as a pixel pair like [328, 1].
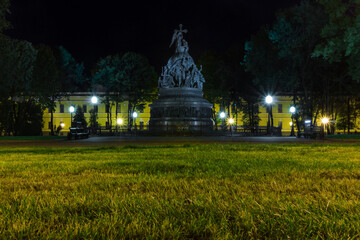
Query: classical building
[62, 116]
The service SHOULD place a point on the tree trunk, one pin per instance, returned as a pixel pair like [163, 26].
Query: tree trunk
[116, 116]
[52, 122]
[348, 116]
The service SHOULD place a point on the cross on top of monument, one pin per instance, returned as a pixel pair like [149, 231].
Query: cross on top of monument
[181, 30]
[178, 36]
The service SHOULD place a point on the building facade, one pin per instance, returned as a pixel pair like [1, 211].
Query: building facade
[62, 115]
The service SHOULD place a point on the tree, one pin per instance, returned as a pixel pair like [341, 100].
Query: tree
[138, 82]
[4, 9]
[107, 75]
[93, 124]
[217, 74]
[72, 76]
[128, 78]
[341, 35]
[46, 84]
[80, 117]
[16, 72]
[281, 56]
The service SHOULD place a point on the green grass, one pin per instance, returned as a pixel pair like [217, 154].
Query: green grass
[344, 136]
[252, 191]
[45, 138]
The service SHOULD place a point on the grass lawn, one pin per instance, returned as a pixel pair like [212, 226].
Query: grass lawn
[257, 191]
[344, 136]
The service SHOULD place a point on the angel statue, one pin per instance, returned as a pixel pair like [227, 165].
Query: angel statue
[181, 45]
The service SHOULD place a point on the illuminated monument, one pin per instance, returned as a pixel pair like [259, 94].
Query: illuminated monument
[181, 106]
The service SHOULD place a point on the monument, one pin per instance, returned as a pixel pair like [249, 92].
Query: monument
[181, 107]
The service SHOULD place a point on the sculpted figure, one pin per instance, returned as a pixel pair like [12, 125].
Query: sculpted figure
[181, 70]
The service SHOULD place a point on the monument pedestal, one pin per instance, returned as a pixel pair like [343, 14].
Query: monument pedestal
[180, 110]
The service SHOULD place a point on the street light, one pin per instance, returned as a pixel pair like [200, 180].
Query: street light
[269, 101]
[94, 100]
[292, 111]
[135, 115]
[325, 121]
[119, 121]
[71, 110]
[231, 122]
[62, 125]
[222, 116]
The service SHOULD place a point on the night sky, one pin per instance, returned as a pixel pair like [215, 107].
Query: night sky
[94, 29]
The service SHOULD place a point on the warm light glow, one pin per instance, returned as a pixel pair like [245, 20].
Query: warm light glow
[307, 121]
[222, 115]
[269, 99]
[62, 125]
[94, 100]
[231, 121]
[135, 115]
[71, 109]
[292, 109]
[325, 120]
[291, 123]
[120, 121]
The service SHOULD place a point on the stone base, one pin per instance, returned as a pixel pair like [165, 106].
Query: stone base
[180, 110]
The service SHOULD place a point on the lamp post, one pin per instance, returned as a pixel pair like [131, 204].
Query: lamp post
[222, 116]
[292, 111]
[325, 121]
[71, 110]
[231, 122]
[120, 122]
[94, 101]
[269, 101]
[135, 115]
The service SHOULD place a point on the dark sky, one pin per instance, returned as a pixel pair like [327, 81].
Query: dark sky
[94, 29]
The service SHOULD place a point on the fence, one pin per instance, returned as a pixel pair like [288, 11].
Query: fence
[189, 130]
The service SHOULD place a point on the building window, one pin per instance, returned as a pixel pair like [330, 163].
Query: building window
[96, 109]
[49, 125]
[107, 108]
[61, 108]
[119, 108]
[85, 108]
[141, 125]
[280, 108]
[107, 125]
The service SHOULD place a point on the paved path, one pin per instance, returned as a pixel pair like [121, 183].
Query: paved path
[130, 140]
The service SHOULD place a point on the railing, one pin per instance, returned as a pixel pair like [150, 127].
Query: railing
[189, 130]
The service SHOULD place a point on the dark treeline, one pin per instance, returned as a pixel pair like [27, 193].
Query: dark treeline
[311, 52]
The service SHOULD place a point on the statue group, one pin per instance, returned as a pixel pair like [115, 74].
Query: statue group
[181, 106]
[181, 70]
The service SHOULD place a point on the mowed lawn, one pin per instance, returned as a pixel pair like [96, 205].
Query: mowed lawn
[252, 191]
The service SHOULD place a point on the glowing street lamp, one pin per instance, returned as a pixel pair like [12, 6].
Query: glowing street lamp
[94, 100]
[71, 110]
[231, 122]
[119, 121]
[269, 100]
[222, 115]
[292, 111]
[325, 121]
[62, 125]
[135, 115]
